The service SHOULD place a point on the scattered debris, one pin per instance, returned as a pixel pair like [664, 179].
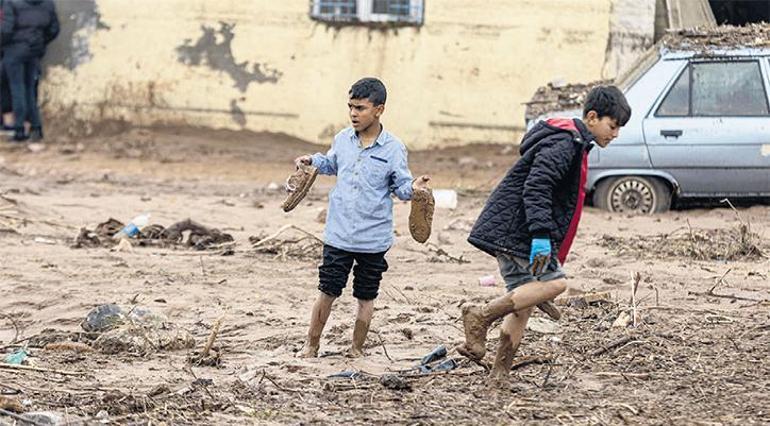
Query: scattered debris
[622, 321]
[395, 382]
[17, 357]
[542, 325]
[208, 356]
[77, 347]
[289, 241]
[555, 97]
[584, 300]
[731, 244]
[487, 281]
[436, 354]
[103, 318]
[11, 404]
[199, 237]
[720, 37]
[143, 339]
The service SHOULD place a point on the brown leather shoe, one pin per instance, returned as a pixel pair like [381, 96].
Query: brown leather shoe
[298, 185]
[421, 214]
[549, 308]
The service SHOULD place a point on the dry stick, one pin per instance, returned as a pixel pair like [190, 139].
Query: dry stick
[382, 342]
[282, 230]
[710, 292]
[264, 373]
[212, 337]
[612, 345]
[528, 360]
[719, 281]
[40, 370]
[634, 288]
[19, 418]
[15, 327]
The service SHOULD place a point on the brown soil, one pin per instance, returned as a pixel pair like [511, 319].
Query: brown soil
[698, 353]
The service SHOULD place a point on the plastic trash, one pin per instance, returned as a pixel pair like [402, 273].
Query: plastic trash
[103, 317]
[17, 357]
[133, 227]
[445, 365]
[435, 354]
[445, 198]
[487, 281]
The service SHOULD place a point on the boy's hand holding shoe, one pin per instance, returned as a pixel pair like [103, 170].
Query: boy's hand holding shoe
[539, 255]
[421, 183]
[307, 160]
[299, 183]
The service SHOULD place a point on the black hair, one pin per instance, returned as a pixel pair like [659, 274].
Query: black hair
[369, 88]
[608, 101]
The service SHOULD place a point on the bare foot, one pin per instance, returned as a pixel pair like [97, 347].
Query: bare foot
[354, 353]
[475, 333]
[309, 352]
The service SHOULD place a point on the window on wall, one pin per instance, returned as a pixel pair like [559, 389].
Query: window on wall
[405, 12]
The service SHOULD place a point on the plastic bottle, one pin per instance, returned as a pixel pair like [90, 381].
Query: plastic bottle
[132, 228]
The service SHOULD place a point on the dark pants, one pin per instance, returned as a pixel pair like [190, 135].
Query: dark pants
[5, 92]
[367, 273]
[23, 72]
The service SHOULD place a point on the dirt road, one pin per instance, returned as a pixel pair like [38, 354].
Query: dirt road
[697, 355]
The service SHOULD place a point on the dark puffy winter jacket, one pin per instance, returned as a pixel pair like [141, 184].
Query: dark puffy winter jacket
[28, 26]
[541, 195]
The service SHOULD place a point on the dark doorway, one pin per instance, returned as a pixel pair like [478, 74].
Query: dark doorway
[740, 12]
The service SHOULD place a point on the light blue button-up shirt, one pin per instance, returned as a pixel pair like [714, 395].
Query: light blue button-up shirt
[360, 214]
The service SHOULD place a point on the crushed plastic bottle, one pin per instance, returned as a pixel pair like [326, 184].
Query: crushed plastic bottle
[133, 227]
[17, 357]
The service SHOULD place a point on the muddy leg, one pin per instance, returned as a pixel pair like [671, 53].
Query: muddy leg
[321, 310]
[477, 320]
[363, 319]
[511, 333]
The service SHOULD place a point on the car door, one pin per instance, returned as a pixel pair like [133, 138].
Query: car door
[711, 130]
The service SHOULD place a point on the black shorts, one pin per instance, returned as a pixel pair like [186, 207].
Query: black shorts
[367, 273]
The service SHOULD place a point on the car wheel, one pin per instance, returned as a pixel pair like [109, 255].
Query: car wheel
[633, 194]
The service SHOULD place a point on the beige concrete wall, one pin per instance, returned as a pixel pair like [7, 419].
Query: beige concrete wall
[460, 78]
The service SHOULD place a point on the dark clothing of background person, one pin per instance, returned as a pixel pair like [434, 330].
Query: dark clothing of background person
[27, 28]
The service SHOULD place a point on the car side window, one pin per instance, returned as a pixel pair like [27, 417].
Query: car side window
[728, 89]
[713, 89]
[677, 101]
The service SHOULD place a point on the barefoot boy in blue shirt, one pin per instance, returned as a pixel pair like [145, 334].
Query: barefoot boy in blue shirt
[370, 164]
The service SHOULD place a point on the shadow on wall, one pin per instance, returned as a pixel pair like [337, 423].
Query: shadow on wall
[219, 57]
[79, 19]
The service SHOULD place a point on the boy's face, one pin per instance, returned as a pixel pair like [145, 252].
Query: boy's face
[604, 129]
[363, 113]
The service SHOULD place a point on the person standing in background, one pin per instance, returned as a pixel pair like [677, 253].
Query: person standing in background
[27, 28]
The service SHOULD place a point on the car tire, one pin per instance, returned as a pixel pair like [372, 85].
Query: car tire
[633, 194]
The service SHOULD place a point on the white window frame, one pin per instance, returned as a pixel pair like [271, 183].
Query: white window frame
[364, 14]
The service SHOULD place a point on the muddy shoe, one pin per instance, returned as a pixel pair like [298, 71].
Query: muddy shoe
[549, 308]
[298, 185]
[475, 334]
[421, 215]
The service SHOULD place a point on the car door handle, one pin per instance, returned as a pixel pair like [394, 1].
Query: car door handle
[671, 133]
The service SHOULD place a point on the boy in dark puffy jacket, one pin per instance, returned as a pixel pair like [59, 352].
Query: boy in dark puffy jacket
[531, 218]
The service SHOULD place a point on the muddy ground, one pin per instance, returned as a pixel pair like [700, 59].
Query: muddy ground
[697, 355]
